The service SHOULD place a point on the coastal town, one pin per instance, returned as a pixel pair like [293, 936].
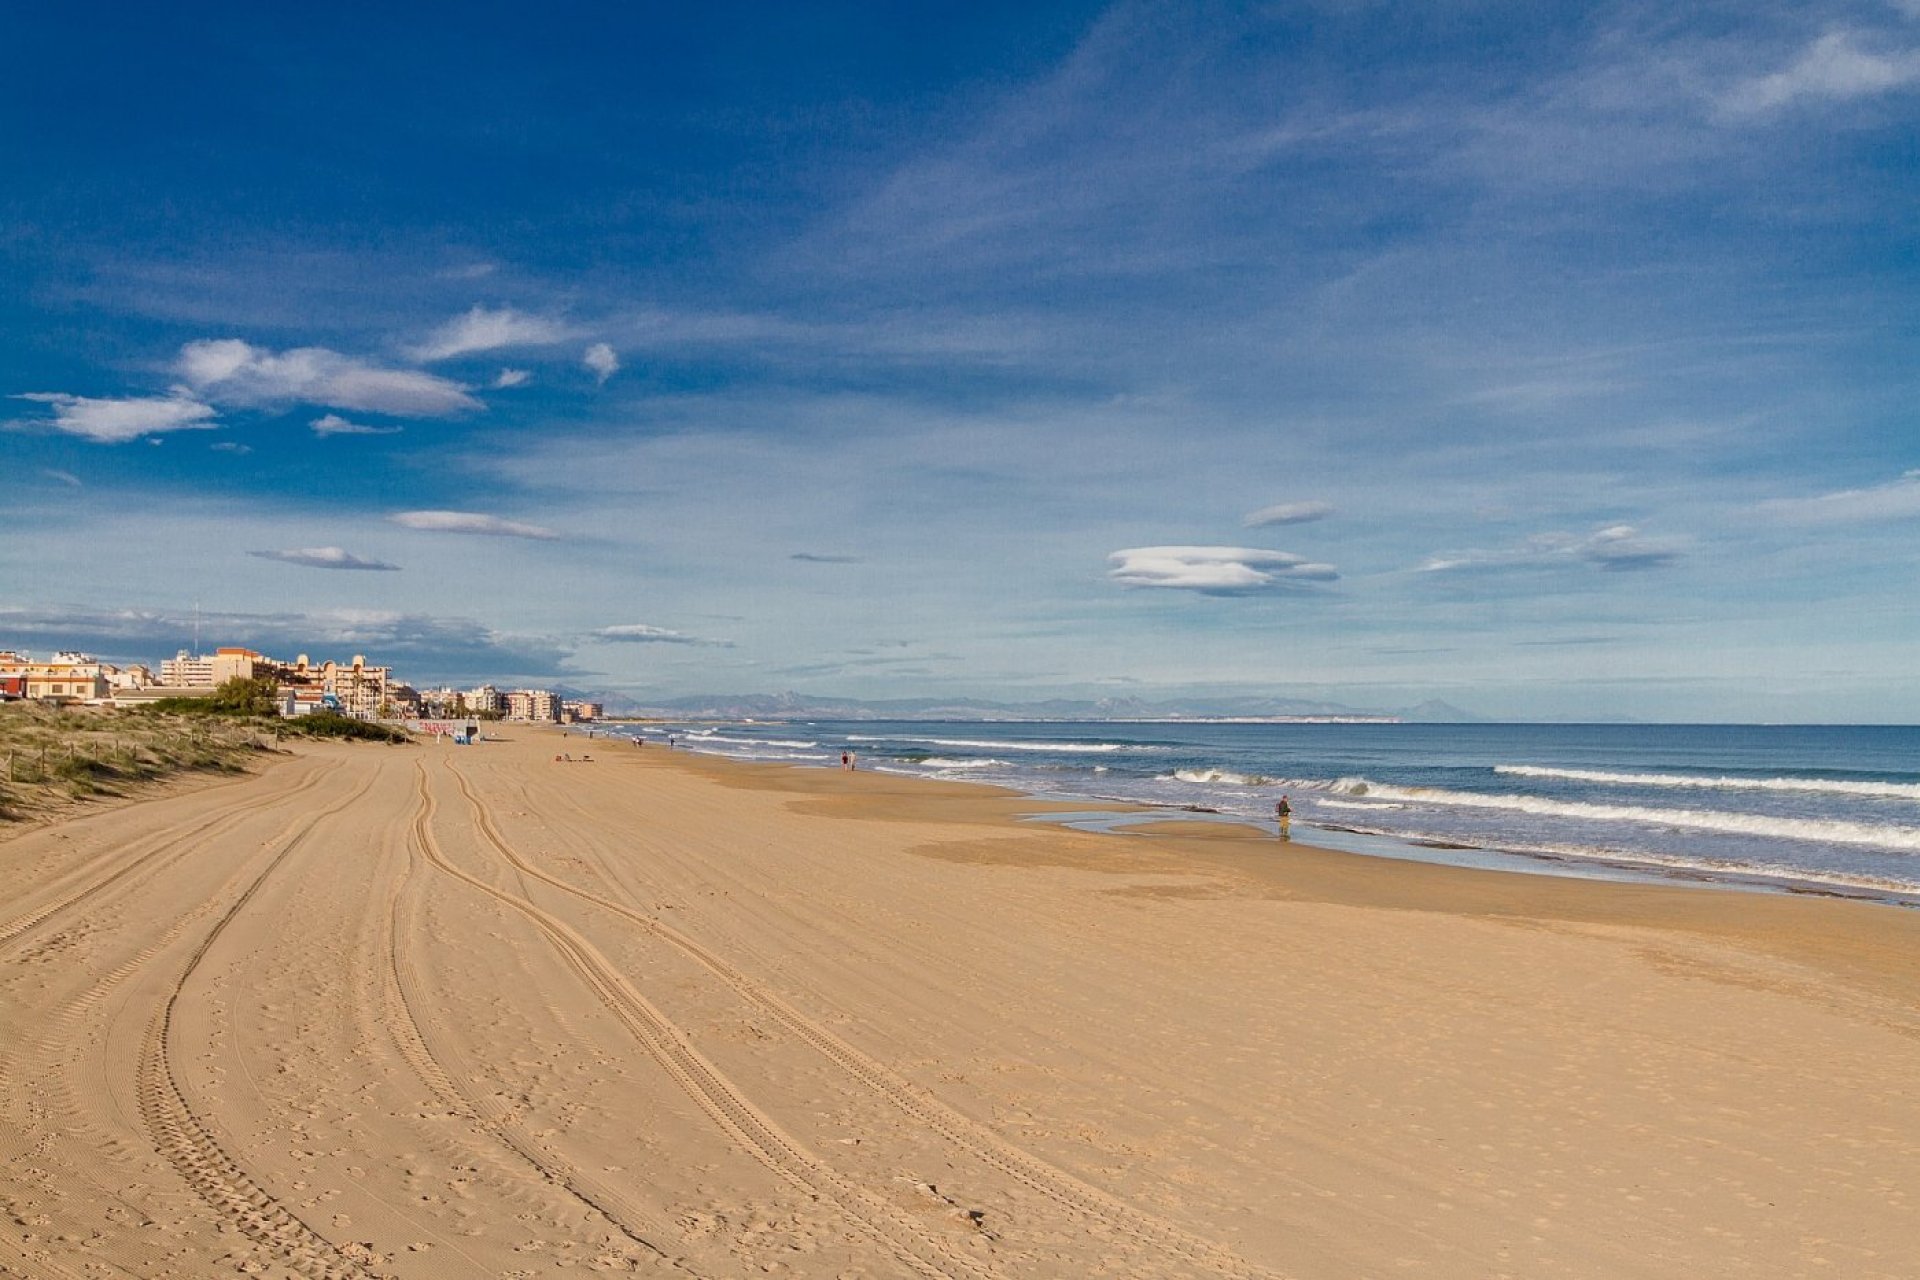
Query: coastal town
[358, 688]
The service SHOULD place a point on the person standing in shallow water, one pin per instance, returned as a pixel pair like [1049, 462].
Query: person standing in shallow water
[1283, 814]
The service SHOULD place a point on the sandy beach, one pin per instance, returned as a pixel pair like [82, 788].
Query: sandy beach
[441, 1012]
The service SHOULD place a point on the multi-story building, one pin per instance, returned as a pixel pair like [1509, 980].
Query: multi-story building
[533, 704]
[486, 700]
[187, 671]
[361, 690]
[137, 676]
[577, 712]
[76, 677]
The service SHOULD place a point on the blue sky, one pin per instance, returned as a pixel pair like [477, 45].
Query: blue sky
[1557, 361]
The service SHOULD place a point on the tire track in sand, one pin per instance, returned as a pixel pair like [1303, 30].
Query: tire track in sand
[154, 858]
[180, 1136]
[412, 1038]
[1036, 1175]
[750, 1128]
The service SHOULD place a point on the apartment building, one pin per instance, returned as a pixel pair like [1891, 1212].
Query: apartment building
[187, 671]
[533, 704]
[360, 689]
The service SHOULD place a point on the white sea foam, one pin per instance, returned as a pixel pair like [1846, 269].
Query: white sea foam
[1821, 830]
[983, 762]
[1056, 747]
[1698, 782]
[1227, 776]
[756, 742]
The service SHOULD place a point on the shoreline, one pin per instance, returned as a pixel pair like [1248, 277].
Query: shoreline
[1599, 866]
[475, 1010]
[1366, 879]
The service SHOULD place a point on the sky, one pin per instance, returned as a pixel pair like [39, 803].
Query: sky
[1558, 361]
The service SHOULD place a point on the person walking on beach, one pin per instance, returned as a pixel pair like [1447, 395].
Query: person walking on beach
[1283, 814]
[846, 760]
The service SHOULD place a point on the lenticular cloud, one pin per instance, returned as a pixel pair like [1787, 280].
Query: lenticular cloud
[1214, 570]
[469, 522]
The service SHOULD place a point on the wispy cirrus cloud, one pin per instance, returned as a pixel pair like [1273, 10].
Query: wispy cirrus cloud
[470, 522]
[485, 329]
[235, 371]
[1896, 500]
[323, 558]
[509, 378]
[66, 478]
[643, 633]
[809, 557]
[1834, 67]
[1215, 571]
[1287, 513]
[335, 425]
[1619, 548]
[116, 421]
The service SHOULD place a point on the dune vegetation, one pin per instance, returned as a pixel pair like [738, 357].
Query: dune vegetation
[52, 756]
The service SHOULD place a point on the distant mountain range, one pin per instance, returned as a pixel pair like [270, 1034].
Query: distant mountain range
[796, 706]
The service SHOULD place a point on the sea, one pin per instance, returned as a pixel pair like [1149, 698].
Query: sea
[1803, 808]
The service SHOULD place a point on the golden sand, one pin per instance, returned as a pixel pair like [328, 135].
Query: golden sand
[445, 1012]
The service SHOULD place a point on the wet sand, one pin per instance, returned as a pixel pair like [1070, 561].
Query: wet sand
[440, 1012]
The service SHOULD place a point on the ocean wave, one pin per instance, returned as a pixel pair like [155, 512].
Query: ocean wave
[991, 744]
[1829, 831]
[1227, 776]
[753, 742]
[982, 762]
[1700, 782]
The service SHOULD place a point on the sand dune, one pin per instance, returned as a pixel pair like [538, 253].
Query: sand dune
[439, 1012]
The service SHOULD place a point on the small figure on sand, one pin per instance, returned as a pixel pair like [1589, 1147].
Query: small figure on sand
[1283, 814]
[846, 760]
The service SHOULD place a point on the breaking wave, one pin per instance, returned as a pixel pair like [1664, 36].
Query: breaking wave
[1227, 776]
[1097, 748]
[1832, 831]
[1697, 782]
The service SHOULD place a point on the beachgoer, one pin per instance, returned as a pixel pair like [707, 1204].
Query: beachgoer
[1283, 814]
[846, 760]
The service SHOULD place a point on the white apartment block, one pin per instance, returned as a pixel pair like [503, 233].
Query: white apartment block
[533, 704]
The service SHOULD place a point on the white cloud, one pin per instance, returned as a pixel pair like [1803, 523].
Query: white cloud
[322, 558]
[601, 360]
[1832, 67]
[67, 478]
[116, 421]
[512, 378]
[1288, 513]
[1895, 500]
[641, 633]
[1618, 548]
[228, 369]
[483, 330]
[231, 446]
[335, 425]
[469, 522]
[1214, 570]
